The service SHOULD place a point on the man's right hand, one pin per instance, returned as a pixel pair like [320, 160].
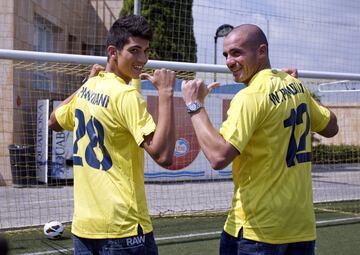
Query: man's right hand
[196, 90]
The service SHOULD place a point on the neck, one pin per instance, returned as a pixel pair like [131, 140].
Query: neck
[265, 65]
[112, 68]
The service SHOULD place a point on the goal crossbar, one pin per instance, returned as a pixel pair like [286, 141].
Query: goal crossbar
[152, 64]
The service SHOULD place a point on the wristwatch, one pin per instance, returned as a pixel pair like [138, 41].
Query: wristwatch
[193, 107]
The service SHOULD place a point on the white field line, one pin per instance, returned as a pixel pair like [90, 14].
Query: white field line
[318, 223]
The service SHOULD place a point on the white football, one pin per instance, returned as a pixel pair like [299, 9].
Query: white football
[53, 229]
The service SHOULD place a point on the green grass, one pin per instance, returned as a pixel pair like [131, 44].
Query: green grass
[172, 233]
[333, 240]
[33, 240]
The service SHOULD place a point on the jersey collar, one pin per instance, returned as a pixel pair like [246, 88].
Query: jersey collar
[108, 75]
[262, 73]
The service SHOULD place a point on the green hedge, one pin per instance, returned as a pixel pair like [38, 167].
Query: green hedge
[335, 154]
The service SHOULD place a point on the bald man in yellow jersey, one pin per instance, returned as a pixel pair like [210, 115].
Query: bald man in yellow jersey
[111, 128]
[267, 137]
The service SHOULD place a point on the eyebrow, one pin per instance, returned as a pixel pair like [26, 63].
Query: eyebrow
[225, 53]
[137, 47]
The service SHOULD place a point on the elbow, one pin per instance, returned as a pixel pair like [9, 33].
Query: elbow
[218, 163]
[331, 133]
[218, 166]
[53, 125]
[50, 124]
[218, 159]
[165, 158]
[332, 127]
[334, 131]
[165, 161]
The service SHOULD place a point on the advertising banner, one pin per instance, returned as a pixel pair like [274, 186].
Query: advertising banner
[42, 139]
[62, 146]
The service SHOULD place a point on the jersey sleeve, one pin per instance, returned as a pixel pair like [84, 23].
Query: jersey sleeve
[65, 115]
[319, 116]
[241, 122]
[136, 118]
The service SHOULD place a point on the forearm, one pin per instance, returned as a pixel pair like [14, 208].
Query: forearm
[163, 140]
[216, 149]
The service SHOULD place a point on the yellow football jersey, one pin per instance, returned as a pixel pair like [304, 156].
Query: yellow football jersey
[109, 120]
[270, 123]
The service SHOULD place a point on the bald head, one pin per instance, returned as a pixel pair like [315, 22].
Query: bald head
[252, 35]
[246, 52]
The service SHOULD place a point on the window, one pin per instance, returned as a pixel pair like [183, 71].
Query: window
[95, 50]
[44, 42]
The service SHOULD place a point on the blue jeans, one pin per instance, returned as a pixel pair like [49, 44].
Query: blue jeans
[230, 245]
[141, 244]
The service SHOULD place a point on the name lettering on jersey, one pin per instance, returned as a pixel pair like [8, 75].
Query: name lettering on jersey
[133, 241]
[93, 97]
[285, 93]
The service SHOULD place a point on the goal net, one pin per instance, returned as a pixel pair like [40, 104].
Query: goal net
[36, 164]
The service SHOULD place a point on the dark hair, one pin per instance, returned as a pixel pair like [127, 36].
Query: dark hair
[125, 27]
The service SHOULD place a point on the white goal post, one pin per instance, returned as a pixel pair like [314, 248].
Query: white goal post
[153, 64]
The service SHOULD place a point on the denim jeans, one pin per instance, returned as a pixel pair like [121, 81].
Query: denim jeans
[135, 245]
[230, 245]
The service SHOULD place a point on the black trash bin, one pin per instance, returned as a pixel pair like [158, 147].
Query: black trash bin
[23, 167]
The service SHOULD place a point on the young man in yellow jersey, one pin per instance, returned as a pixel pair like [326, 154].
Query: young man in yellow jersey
[267, 138]
[111, 128]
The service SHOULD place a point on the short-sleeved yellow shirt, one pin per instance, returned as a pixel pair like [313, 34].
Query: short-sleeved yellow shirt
[270, 123]
[109, 121]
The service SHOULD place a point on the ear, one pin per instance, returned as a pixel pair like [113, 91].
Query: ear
[111, 51]
[263, 50]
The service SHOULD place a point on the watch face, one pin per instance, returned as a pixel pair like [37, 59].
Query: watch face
[192, 107]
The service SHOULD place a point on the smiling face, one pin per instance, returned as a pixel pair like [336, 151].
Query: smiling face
[245, 54]
[129, 62]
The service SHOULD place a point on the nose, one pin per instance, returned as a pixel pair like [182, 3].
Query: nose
[143, 58]
[230, 61]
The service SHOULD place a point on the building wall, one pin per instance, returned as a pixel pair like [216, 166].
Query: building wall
[6, 92]
[348, 117]
[74, 27]
[77, 19]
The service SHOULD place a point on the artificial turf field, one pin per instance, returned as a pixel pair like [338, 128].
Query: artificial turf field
[191, 235]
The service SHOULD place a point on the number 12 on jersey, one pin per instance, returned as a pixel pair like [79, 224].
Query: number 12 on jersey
[294, 149]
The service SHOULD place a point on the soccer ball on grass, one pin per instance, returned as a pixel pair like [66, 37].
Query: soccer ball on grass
[53, 229]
